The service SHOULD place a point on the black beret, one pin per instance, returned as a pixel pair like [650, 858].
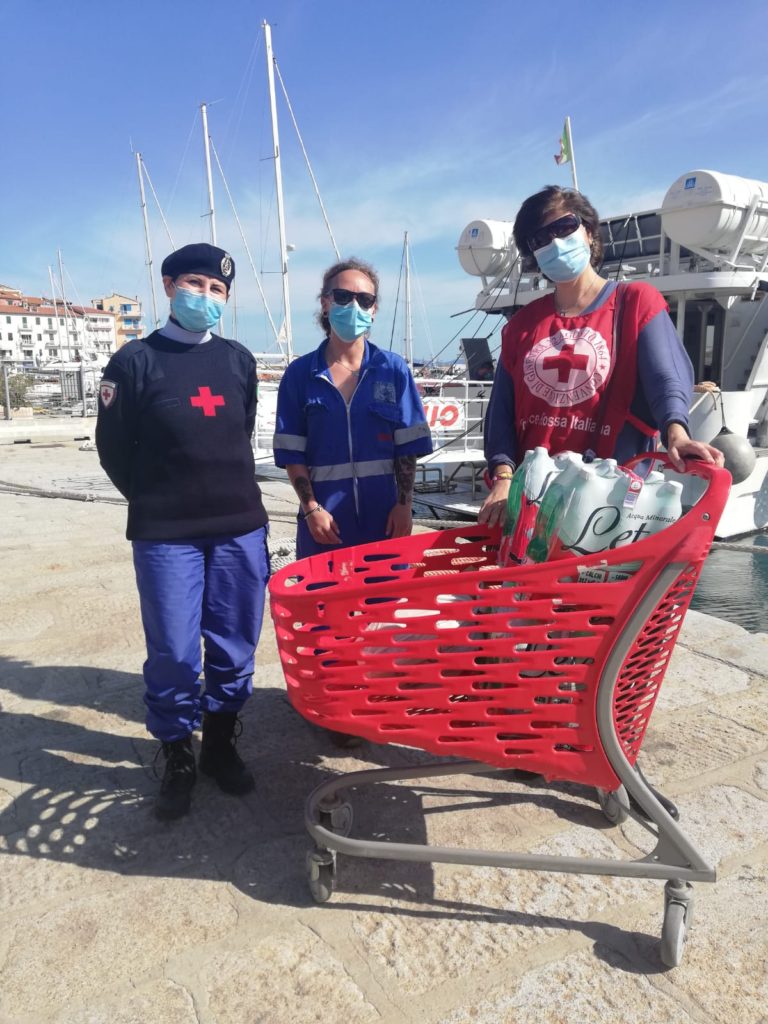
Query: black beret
[200, 258]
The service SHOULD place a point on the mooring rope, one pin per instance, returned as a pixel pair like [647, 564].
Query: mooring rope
[279, 517]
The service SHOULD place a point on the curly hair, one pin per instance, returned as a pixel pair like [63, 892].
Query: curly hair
[552, 199]
[338, 268]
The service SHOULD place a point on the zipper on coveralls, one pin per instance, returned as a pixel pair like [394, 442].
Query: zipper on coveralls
[348, 408]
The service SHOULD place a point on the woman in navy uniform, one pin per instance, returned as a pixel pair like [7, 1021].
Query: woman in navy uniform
[176, 414]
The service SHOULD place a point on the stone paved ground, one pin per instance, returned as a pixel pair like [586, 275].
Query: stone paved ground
[109, 916]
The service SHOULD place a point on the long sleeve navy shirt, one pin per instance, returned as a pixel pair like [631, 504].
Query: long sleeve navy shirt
[173, 435]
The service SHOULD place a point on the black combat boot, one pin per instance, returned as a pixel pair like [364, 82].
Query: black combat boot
[218, 757]
[175, 796]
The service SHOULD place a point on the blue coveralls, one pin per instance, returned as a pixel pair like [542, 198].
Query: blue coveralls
[211, 587]
[349, 448]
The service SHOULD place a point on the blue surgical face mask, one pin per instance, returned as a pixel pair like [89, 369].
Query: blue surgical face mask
[195, 311]
[564, 258]
[349, 322]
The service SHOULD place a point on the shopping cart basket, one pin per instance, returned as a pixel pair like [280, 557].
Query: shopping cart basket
[424, 641]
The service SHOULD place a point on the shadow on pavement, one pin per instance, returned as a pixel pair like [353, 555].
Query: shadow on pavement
[77, 787]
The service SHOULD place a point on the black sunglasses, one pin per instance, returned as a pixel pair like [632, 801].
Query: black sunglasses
[560, 228]
[343, 297]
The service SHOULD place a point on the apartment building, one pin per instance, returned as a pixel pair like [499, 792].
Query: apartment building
[128, 316]
[38, 331]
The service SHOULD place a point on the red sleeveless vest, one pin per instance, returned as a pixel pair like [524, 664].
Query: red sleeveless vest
[572, 393]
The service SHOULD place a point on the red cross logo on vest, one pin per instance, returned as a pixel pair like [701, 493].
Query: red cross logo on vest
[206, 401]
[567, 368]
[565, 363]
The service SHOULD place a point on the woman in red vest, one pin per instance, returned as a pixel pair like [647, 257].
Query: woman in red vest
[593, 367]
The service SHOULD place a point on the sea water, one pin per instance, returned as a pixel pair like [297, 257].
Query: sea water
[734, 584]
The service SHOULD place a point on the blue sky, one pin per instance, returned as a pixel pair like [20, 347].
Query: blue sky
[417, 116]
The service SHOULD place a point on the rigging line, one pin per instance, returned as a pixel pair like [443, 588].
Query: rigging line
[306, 158]
[499, 286]
[423, 310]
[238, 112]
[475, 312]
[242, 235]
[157, 203]
[451, 340]
[74, 289]
[423, 306]
[624, 249]
[397, 297]
[183, 159]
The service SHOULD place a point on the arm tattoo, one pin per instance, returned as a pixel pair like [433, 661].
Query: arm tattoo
[303, 489]
[405, 475]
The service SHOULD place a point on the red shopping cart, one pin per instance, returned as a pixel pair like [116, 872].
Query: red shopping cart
[424, 641]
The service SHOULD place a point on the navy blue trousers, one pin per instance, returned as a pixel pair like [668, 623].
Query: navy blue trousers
[211, 587]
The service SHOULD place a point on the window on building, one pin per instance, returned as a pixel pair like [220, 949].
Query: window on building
[126, 307]
[37, 321]
[61, 321]
[7, 319]
[50, 321]
[23, 321]
[39, 337]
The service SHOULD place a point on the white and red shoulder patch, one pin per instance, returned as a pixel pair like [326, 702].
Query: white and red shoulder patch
[107, 392]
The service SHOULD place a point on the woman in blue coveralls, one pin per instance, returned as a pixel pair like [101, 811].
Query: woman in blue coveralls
[350, 427]
[350, 424]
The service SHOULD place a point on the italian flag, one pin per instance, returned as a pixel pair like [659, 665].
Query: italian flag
[564, 156]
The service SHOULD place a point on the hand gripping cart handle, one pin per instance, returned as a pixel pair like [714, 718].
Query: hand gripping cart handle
[551, 668]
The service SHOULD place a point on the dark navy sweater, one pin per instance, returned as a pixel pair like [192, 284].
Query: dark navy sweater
[173, 434]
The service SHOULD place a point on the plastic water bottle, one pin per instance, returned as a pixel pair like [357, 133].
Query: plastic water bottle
[553, 507]
[597, 520]
[528, 485]
[514, 502]
[597, 507]
[659, 506]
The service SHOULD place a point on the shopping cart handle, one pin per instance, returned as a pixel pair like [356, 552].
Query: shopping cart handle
[693, 465]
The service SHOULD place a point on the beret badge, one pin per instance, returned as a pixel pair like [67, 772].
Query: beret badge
[226, 265]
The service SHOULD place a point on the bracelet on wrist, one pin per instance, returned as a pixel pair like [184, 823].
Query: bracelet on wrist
[501, 476]
[304, 515]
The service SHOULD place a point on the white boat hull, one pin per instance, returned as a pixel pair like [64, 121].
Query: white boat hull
[747, 508]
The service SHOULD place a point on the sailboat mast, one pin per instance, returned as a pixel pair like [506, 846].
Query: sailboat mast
[408, 345]
[67, 312]
[208, 175]
[278, 189]
[147, 244]
[55, 310]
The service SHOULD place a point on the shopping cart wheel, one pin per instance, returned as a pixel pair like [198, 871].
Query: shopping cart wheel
[673, 935]
[615, 805]
[337, 818]
[678, 919]
[321, 874]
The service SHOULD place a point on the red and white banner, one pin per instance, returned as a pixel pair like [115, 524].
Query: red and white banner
[444, 414]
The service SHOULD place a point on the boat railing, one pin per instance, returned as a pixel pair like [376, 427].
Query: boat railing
[454, 407]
